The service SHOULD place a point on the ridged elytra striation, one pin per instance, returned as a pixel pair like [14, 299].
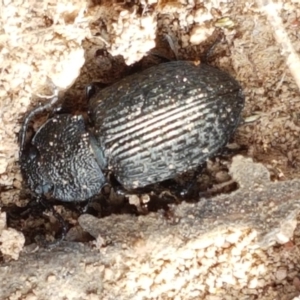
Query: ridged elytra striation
[165, 120]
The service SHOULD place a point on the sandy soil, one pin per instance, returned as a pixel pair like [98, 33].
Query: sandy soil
[62, 44]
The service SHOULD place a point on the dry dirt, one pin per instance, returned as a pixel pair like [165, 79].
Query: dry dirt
[244, 247]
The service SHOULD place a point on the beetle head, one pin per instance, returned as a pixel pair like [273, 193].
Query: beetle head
[59, 161]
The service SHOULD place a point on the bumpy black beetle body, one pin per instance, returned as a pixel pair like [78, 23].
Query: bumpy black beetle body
[146, 128]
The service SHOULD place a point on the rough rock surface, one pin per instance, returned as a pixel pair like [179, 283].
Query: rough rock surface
[209, 248]
[61, 43]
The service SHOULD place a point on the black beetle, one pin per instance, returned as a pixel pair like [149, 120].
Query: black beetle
[146, 128]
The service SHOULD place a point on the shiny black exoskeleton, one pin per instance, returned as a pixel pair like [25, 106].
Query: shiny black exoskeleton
[146, 128]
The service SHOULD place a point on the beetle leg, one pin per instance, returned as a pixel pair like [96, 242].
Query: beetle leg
[163, 57]
[171, 43]
[58, 111]
[93, 88]
[41, 240]
[17, 212]
[207, 54]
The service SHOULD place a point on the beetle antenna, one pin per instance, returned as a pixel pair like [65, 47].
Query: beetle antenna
[22, 136]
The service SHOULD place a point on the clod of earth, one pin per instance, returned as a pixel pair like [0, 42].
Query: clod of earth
[219, 239]
[269, 208]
